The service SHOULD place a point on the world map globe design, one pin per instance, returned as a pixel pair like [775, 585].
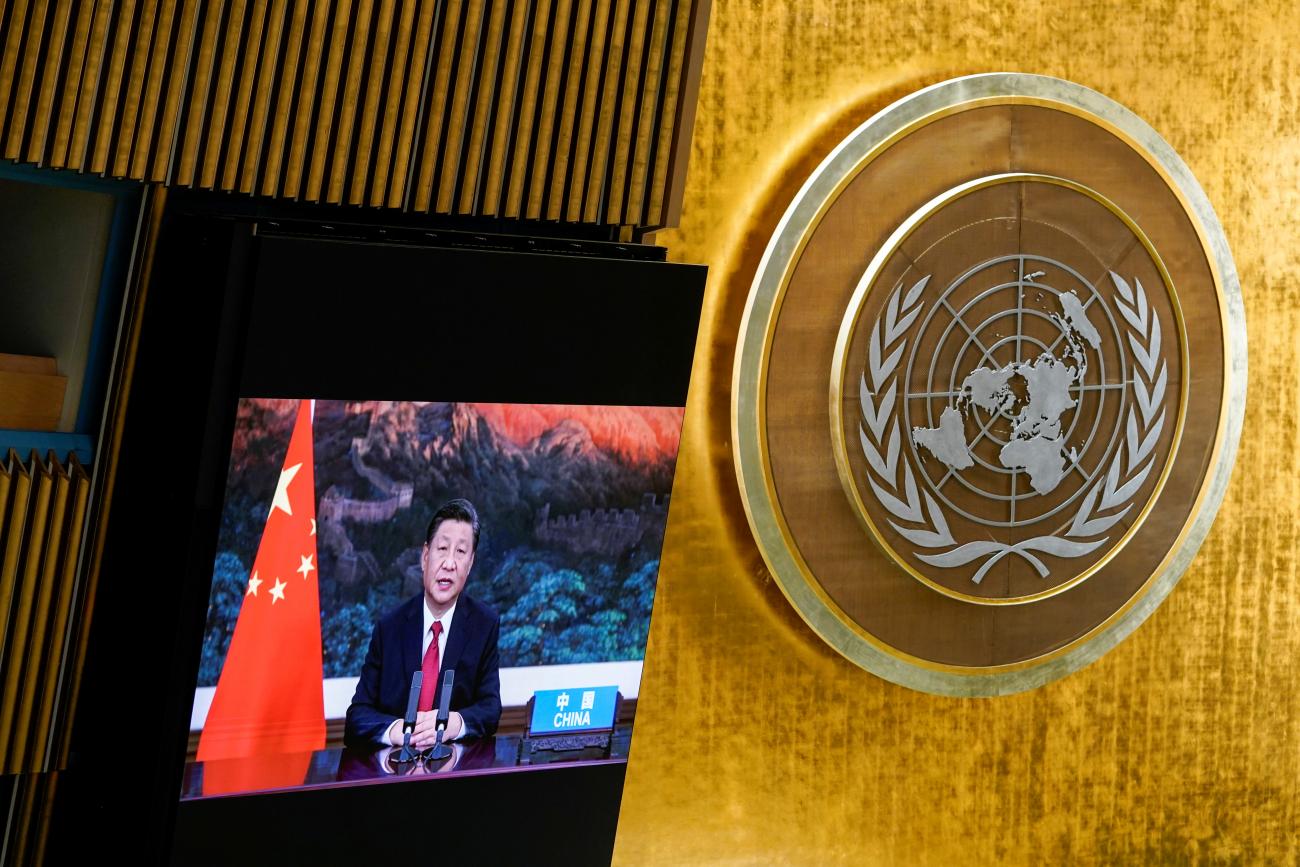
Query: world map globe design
[1018, 415]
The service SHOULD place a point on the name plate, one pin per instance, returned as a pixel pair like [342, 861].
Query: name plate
[584, 709]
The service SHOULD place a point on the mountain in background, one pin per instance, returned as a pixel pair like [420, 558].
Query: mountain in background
[636, 434]
[572, 499]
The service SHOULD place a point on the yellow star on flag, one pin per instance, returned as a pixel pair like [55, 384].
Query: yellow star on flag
[306, 566]
[277, 591]
[281, 499]
[253, 584]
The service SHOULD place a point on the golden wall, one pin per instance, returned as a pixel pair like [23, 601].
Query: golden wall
[758, 744]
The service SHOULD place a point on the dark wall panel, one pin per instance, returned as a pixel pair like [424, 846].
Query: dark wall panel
[574, 111]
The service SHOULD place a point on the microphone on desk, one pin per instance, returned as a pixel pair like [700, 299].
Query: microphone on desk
[408, 724]
[441, 750]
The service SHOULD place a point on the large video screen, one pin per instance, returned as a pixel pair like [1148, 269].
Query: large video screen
[333, 556]
[436, 482]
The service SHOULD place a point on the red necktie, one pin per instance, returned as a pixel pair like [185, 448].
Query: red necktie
[430, 669]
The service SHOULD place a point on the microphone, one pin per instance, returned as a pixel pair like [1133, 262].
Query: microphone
[441, 750]
[408, 724]
[413, 699]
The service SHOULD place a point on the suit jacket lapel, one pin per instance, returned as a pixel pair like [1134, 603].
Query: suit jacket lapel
[456, 639]
[412, 634]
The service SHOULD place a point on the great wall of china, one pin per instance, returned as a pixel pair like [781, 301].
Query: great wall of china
[607, 532]
[610, 532]
[335, 507]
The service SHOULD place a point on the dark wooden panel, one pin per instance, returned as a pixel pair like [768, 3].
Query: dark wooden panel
[548, 110]
[40, 536]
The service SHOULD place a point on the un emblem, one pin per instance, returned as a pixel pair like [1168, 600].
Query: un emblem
[989, 385]
[1014, 408]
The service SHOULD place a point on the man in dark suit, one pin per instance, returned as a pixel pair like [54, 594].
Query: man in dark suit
[441, 629]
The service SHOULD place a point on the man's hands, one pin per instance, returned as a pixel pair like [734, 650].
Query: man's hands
[426, 729]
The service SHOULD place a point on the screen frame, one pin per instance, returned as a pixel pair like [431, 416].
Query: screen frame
[199, 322]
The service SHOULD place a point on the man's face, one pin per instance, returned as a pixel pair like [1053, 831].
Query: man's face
[447, 559]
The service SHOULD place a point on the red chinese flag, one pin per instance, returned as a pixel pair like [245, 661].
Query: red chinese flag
[269, 698]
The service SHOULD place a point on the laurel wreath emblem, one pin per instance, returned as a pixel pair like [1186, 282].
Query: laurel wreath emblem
[880, 435]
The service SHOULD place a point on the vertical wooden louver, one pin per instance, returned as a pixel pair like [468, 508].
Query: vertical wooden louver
[573, 111]
[42, 509]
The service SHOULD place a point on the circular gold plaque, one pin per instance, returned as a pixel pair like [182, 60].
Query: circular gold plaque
[989, 384]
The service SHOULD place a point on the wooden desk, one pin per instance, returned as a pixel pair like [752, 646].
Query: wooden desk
[336, 767]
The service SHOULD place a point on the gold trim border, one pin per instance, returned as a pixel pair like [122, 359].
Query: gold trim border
[763, 306]
[840, 362]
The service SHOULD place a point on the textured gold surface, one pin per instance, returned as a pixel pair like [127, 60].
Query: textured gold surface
[758, 744]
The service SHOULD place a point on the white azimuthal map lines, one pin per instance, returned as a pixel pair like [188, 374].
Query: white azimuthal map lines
[983, 433]
[1105, 386]
[1031, 393]
[1039, 440]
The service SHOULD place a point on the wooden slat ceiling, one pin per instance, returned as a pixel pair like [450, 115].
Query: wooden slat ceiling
[574, 111]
